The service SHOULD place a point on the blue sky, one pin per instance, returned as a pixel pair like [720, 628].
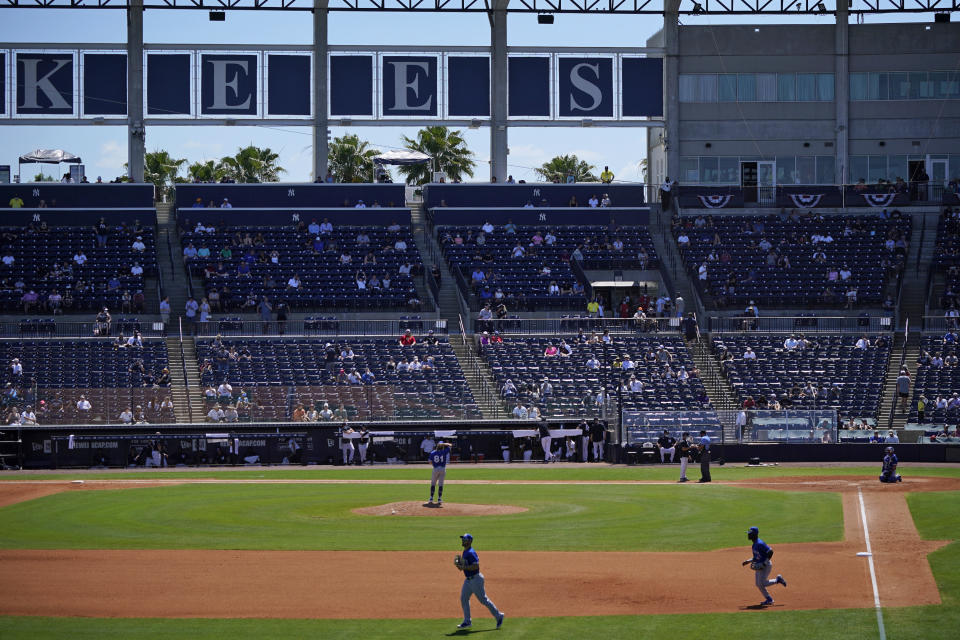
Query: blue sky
[104, 148]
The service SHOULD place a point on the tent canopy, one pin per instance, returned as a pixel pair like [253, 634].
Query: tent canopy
[49, 156]
[402, 157]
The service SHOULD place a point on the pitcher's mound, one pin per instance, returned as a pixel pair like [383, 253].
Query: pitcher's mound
[448, 509]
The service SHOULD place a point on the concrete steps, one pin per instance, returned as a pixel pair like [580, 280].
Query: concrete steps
[170, 263]
[890, 382]
[181, 387]
[913, 296]
[449, 305]
[480, 379]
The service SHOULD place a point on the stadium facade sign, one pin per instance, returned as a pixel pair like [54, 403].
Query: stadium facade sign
[197, 83]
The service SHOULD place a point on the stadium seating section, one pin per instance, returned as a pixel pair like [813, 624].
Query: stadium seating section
[575, 386]
[948, 259]
[43, 261]
[522, 279]
[933, 382]
[858, 243]
[854, 376]
[326, 282]
[281, 374]
[58, 372]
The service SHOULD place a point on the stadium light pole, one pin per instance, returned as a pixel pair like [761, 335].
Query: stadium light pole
[842, 90]
[498, 101]
[136, 135]
[671, 78]
[321, 120]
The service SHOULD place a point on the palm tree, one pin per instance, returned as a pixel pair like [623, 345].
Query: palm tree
[208, 171]
[448, 150]
[161, 169]
[560, 167]
[350, 159]
[252, 164]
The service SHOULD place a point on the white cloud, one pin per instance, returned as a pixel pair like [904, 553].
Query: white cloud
[112, 156]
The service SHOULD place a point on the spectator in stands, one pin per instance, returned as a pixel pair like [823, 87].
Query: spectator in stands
[16, 202]
[83, 405]
[551, 351]
[8, 259]
[520, 412]
[215, 414]
[592, 362]
[408, 339]
[80, 258]
[863, 343]
[28, 417]
[225, 204]
[509, 389]
[903, 388]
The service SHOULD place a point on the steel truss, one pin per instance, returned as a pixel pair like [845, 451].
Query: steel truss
[653, 7]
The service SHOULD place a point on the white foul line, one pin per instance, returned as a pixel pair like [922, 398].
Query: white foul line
[873, 573]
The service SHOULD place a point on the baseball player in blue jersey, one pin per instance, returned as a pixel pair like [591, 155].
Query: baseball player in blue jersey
[438, 458]
[889, 473]
[469, 563]
[761, 565]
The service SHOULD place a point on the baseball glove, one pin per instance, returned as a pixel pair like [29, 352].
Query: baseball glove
[758, 566]
[458, 562]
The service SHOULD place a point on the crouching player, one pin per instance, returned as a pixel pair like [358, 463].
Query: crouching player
[889, 473]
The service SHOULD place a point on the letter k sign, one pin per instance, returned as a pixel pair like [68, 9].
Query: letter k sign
[40, 75]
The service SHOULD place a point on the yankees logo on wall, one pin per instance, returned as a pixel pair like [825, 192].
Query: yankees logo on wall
[806, 200]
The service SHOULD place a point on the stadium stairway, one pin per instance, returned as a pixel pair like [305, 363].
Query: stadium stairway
[671, 262]
[910, 355]
[181, 387]
[449, 300]
[920, 259]
[718, 388]
[171, 266]
[418, 225]
[479, 377]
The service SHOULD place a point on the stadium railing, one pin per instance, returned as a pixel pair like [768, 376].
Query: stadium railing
[566, 325]
[321, 326]
[53, 328]
[802, 324]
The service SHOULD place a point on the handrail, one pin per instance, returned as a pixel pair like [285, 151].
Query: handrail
[173, 269]
[903, 359]
[186, 380]
[486, 392]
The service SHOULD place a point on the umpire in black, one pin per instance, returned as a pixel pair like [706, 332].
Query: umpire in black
[704, 447]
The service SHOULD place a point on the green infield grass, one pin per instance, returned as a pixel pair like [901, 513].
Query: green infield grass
[612, 517]
[318, 516]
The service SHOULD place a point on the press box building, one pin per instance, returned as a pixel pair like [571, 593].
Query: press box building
[807, 104]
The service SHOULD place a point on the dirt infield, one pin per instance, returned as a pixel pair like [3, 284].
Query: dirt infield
[449, 509]
[312, 584]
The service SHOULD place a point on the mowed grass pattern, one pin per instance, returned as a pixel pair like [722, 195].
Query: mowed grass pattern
[598, 509]
[298, 516]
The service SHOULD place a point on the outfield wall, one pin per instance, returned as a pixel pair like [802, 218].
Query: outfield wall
[63, 447]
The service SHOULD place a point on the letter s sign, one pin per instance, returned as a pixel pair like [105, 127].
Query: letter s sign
[585, 87]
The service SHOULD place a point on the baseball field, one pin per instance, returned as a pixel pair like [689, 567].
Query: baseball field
[567, 551]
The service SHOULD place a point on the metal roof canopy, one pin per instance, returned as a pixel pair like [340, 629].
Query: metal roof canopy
[592, 7]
